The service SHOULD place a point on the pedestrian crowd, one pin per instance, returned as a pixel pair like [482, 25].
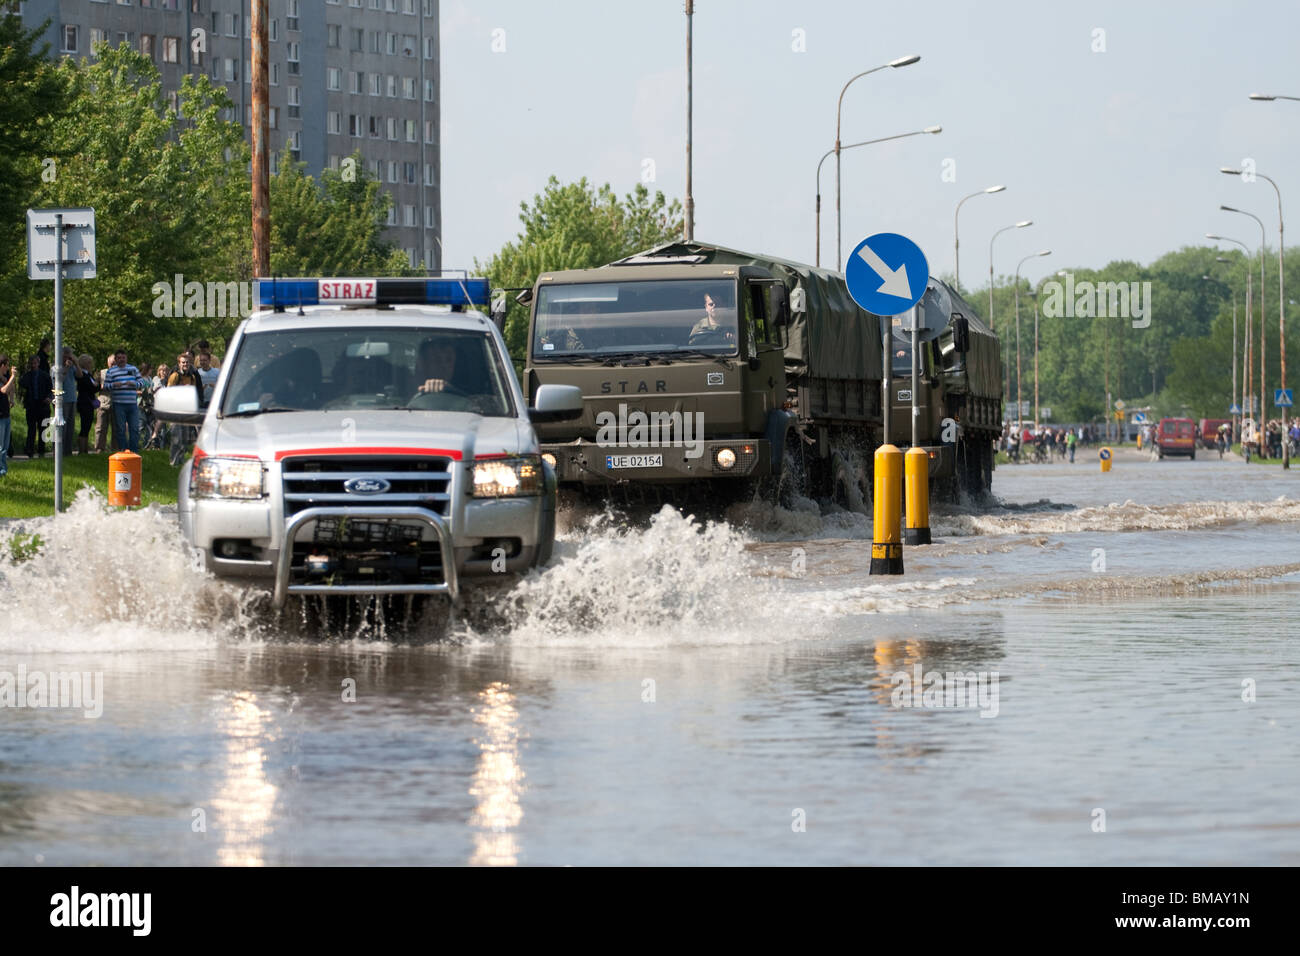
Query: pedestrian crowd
[116, 400]
[1026, 442]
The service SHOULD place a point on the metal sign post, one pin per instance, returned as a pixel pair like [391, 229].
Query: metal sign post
[60, 245]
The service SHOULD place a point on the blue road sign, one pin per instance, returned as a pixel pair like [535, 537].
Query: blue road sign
[1282, 397]
[887, 273]
[1139, 418]
[1105, 454]
[1234, 410]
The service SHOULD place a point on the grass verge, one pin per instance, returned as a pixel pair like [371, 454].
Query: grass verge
[27, 491]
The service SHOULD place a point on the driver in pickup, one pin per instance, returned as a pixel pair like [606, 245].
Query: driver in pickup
[709, 329]
[435, 365]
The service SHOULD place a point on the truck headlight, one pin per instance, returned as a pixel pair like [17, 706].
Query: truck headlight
[508, 477]
[226, 478]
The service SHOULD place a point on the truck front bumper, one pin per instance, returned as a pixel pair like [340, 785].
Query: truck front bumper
[590, 464]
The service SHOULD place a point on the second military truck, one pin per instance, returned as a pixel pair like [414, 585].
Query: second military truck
[706, 369]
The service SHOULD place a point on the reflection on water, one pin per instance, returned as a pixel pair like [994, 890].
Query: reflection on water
[244, 806]
[498, 779]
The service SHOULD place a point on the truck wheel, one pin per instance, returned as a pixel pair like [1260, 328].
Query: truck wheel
[846, 490]
[792, 482]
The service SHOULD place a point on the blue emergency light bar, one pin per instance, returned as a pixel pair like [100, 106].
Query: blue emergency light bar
[290, 293]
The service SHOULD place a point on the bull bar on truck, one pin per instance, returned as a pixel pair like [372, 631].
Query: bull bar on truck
[284, 566]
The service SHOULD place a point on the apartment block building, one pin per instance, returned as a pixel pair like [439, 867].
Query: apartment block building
[345, 76]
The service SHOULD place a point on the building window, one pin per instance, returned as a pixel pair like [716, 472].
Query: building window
[408, 45]
[429, 221]
[295, 103]
[392, 170]
[410, 131]
[392, 211]
[392, 6]
[408, 173]
[275, 74]
[232, 71]
[333, 78]
[171, 49]
[430, 133]
[428, 47]
[408, 215]
[275, 163]
[356, 81]
[408, 7]
[354, 124]
[356, 39]
[333, 122]
[232, 25]
[376, 84]
[69, 39]
[408, 87]
[392, 86]
[147, 45]
[97, 36]
[171, 5]
[428, 175]
[273, 29]
[333, 35]
[376, 41]
[291, 51]
[392, 134]
[272, 118]
[429, 87]
[390, 40]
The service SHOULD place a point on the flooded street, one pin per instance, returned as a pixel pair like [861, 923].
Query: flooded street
[671, 695]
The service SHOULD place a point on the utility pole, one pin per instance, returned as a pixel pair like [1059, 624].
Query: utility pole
[688, 223]
[261, 181]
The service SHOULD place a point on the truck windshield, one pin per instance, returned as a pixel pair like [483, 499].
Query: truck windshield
[901, 350]
[367, 367]
[649, 316]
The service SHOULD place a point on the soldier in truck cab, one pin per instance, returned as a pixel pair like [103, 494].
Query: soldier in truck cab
[709, 329]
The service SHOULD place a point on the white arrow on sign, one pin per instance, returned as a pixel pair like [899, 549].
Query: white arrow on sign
[894, 280]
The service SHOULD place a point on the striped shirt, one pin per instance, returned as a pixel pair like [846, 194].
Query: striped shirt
[122, 381]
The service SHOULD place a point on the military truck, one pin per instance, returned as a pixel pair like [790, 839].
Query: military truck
[960, 402]
[706, 369]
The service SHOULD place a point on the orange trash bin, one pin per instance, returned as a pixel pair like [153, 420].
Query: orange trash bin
[124, 479]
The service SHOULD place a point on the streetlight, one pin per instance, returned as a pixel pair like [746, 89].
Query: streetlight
[1233, 393]
[1281, 305]
[1247, 409]
[1018, 225]
[1269, 98]
[884, 139]
[1032, 255]
[1262, 351]
[956, 242]
[901, 61]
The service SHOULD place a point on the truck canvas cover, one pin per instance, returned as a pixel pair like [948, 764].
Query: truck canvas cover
[831, 338]
[984, 360]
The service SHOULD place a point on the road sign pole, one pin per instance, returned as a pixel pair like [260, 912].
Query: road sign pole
[916, 374]
[56, 367]
[886, 381]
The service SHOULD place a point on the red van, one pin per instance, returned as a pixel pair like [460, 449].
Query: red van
[1209, 431]
[1176, 436]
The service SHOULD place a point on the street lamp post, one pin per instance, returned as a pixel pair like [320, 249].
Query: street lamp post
[956, 241]
[901, 61]
[1233, 393]
[884, 139]
[1246, 409]
[1263, 351]
[1281, 297]
[1018, 225]
[1032, 255]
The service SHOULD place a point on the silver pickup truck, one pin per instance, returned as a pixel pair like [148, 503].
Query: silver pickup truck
[367, 436]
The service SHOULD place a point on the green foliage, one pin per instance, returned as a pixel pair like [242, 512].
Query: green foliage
[331, 227]
[576, 226]
[170, 196]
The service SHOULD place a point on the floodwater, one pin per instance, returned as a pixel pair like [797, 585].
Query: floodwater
[673, 693]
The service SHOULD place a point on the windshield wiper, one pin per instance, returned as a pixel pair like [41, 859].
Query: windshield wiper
[697, 353]
[260, 411]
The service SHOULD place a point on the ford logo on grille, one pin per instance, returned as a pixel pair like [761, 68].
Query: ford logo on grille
[366, 486]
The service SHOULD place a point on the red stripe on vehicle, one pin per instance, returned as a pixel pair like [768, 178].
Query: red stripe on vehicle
[368, 450]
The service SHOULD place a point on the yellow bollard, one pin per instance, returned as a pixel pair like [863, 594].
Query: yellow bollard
[886, 544]
[1105, 459]
[124, 479]
[916, 465]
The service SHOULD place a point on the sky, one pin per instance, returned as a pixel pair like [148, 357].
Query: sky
[1107, 122]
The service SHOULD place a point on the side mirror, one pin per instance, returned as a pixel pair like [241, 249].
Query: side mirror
[525, 297]
[179, 404]
[778, 305]
[499, 309]
[556, 403]
[960, 333]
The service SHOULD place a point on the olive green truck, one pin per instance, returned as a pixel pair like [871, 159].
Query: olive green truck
[705, 370]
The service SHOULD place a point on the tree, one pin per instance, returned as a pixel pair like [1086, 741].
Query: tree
[575, 226]
[169, 190]
[331, 228]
